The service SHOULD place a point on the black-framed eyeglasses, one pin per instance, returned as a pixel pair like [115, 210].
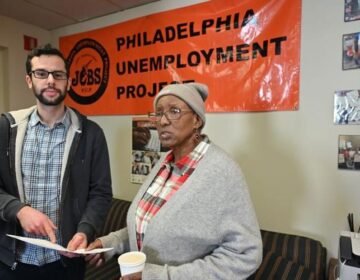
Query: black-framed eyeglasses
[172, 114]
[43, 74]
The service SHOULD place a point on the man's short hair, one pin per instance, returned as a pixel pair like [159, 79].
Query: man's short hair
[44, 50]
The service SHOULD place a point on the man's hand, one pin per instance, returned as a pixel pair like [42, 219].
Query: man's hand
[95, 259]
[36, 222]
[79, 241]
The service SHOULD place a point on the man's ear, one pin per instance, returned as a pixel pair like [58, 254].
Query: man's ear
[28, 81]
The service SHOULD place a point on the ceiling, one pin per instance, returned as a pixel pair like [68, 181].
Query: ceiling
[52, 14]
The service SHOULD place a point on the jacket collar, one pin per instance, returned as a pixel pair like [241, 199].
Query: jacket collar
[22, 115]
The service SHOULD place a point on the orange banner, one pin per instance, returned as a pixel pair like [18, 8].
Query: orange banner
[247, 52]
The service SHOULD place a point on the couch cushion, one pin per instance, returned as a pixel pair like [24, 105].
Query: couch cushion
[108, 271]
[116, 218]
[298, 249]
[276, 267]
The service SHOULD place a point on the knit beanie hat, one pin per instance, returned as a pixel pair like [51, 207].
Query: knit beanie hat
[193, 94]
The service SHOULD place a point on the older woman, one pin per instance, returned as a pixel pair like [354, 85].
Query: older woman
[192, 217]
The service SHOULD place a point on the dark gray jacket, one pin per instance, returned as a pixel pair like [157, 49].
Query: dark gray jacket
[85, 180]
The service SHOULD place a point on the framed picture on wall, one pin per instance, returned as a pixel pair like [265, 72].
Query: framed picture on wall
[352, 10]
[347, 106]
[146, 148]
[350, 49]
[349, 152]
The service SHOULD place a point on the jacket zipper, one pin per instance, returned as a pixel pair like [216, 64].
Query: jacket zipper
[10, 120]
[13, 267]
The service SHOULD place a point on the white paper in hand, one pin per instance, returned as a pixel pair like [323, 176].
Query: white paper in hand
[57, 247]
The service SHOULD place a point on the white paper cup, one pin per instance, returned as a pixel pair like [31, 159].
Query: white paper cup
[131, 262]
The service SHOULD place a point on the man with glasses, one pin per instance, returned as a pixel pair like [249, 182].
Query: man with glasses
[55, 181]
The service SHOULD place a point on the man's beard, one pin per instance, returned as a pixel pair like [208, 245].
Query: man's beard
[43, 100]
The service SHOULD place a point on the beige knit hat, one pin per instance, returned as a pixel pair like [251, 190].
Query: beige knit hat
[193, 94]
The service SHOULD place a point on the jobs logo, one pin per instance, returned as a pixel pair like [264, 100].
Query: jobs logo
[89, 71]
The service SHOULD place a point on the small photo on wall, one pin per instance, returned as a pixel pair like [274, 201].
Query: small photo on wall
[349, 152]
[352, 10]
[347, 106]
[351, 53]
[146, 148]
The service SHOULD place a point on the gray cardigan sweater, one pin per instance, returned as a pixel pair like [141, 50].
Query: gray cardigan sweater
[207, 230]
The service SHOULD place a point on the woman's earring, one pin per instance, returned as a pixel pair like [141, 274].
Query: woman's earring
[197, 135]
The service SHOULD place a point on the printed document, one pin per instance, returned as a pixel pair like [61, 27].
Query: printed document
[50, 245]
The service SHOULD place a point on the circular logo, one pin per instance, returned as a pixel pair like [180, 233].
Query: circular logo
[89, 71]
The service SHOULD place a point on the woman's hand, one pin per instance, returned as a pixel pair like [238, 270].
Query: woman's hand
[132, 276]
[95, 259]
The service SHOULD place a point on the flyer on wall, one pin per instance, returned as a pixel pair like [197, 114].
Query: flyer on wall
[352, 10]
[347, 106]
[351, 51]
[146, 148]
[349, 152]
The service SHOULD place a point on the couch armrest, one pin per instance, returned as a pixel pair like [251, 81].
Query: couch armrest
[276, 267]
[299, 250]
[116, 218]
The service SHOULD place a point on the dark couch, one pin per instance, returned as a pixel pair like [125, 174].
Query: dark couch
[285, 256]
[289, 257]
[116, 219]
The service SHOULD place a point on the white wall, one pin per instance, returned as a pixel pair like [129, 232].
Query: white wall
[15, 93]
[289, 158]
